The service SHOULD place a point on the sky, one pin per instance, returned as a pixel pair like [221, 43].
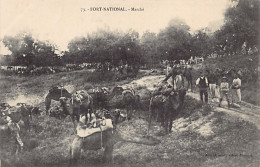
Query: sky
[59, 21]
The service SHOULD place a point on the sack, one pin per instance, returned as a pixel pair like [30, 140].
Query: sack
[104, 125]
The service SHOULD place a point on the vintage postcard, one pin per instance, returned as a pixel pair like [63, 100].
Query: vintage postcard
[129, 83]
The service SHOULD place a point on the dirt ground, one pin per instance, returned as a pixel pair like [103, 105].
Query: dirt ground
[202, 135]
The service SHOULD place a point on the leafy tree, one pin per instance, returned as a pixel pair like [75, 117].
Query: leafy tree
[200, 44]
[149, 49]
[241, 26]
[105, 47]
[174, 41]
[28, 51]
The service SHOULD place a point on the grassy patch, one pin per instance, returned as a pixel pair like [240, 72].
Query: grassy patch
[234, 142]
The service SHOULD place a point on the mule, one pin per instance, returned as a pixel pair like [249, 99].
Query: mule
[80, 103]
[105, 139]
[167, 102]
[100, 97]
[130, 100]
[166, 108]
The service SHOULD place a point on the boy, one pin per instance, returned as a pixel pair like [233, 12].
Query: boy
[224, 90]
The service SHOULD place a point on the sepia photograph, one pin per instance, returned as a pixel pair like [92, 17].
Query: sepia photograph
[129, 83]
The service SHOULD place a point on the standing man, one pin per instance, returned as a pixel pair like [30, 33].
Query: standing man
[236, 85]
[187, 74]
[202, 84]
[212, 79]
[224, 91]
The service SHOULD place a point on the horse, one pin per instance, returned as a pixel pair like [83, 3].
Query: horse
[80, 103]
[55, 94]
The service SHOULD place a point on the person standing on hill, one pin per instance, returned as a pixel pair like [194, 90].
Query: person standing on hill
[236, 85]
[212, 79]
[202, 84]
[224, 91]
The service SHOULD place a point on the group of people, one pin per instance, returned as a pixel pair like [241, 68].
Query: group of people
[210, 82]
[228, 88]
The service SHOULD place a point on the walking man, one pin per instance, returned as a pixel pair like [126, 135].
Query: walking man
[202, 84]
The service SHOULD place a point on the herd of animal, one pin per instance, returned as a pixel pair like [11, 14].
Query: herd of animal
[83, 102]
[164, 106]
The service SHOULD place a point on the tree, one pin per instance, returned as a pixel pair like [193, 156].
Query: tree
[104, 47]
[149, 49]
[174, 41]
[200, 44]
[241, 26]
[28, 51]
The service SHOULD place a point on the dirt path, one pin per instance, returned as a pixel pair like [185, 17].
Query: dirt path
[247, 112]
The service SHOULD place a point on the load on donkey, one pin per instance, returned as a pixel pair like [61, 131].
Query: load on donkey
[167, 100]
[100, 133]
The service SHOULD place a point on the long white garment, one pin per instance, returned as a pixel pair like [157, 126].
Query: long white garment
[212, 88]
[237, 92]
[217, 93]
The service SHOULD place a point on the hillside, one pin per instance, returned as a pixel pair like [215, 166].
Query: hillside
[202, 135]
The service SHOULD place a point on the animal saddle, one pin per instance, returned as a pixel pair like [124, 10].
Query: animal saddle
[163, 91]
[80, 96]
[128, 91]
[84, 131]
